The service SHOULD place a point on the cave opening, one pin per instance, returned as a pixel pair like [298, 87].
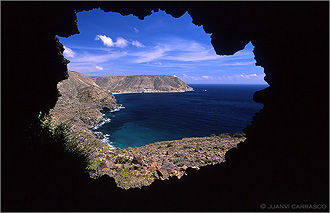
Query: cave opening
[131, 69]
[284, 159]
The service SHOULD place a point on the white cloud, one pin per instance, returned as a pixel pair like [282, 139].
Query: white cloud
[106, 49]
[147, 56]
[187, 50]
[90, 58]
[206, 77]
[68, 52]
[121, 42]
[83, 68]
[242, 78]
[190, 78]
[238, 78]
[249, 76]
[137, 44]
[107, 41]
[178, 50]
[237, 63]
[193, 56]
[98, 67]
[135, 29]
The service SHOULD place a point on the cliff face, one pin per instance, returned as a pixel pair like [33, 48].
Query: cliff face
[81, 100]
[142, 83]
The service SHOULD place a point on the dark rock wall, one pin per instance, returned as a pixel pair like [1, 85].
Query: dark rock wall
[283, 161]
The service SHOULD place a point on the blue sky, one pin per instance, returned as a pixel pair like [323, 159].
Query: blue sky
[110, 44]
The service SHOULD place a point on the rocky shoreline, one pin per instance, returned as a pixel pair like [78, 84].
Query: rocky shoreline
[140, 166]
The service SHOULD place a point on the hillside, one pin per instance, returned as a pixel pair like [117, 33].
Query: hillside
[80, 106]
[142, 83]
[81, 101]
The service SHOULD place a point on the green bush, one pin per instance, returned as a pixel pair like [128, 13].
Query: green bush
[62, 134]
[45, 120]
[92, 164]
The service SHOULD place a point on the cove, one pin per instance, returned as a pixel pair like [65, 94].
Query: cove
[152, 117]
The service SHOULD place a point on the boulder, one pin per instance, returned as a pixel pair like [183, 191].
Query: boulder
[162, 172]
[153, 166]
[173, 172]
[137, 160]
[184, 167]
[99, 135]
[117, 165]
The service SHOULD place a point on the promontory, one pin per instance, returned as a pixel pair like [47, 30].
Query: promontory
[142, 83]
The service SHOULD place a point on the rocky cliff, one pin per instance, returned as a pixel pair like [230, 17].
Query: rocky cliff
[142, 83]
[80, 106]
[81, 101]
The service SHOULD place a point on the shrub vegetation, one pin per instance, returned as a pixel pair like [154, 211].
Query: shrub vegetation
[62, 134]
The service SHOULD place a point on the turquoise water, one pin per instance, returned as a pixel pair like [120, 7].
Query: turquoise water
[151, 117]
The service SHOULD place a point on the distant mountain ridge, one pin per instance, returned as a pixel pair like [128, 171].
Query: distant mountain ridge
[141, 83]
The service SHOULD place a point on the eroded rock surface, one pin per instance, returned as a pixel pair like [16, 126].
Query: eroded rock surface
[140, 166]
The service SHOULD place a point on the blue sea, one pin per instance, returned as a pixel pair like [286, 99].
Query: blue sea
[151, 117]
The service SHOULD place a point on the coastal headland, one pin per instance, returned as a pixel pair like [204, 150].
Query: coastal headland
[142, 84]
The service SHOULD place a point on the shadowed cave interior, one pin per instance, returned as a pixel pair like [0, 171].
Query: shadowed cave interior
[284, 159]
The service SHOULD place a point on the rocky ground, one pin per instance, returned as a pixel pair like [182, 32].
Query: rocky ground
[140, 166]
